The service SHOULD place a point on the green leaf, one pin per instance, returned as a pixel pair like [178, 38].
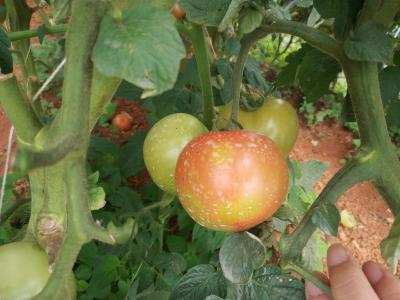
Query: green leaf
[205, 12]
[390, 247]
[317, 67]
[176, 243]
[393, 113]
[172, 262]
[369, 43]
[270, 283]
[249, 20]
[314, 252]
[6, 60]
[311, 172]
[97, 198]
[131, 160]
[207, 240]
[198, 283]
[60, 9]
[389, 79]
[327, 218]
[346, 17]
[327, 8]
[233, 11]
[223, 91]
[103, 275]
[132, 48]
[240, 255]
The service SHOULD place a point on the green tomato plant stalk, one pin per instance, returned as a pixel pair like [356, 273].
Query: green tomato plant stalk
[61, 220]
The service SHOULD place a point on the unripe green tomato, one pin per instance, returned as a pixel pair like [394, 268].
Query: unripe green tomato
[165, 142]
[276, 119]
[24, 271]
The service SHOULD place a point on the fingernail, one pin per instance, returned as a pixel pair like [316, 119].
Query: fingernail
[312, 290]
[374, 272]
[337, 255]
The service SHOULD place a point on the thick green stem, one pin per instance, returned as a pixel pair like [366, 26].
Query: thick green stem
[363, 85]
[246, 44]
[26, 34]
[359, 170]
[314, 37]
[199, 41]
[18, 109]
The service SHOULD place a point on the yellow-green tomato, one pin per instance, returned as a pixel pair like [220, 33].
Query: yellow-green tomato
[24, 271]
[165, 142]
[276, 119]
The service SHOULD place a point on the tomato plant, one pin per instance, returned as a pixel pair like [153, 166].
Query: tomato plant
[25, 271]
[92, 206]
[276, 119]
[163, 145]
[122, 121]
[231, 181]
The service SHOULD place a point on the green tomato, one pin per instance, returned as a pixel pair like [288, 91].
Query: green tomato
[24, 271]
[165, 142]
[276, 119]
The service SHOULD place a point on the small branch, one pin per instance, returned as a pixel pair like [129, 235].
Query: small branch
[47, 29]
[9, 212]
[314, 37]
[18, 109]
[29, 159]
[200, 47]
[356, 171]
[310, 277]
[247, 43]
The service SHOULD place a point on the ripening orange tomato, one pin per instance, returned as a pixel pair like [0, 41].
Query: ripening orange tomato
[122, 121]
[177, 11]
[231, 180]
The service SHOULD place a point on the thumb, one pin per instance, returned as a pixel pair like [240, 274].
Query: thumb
[346, 277]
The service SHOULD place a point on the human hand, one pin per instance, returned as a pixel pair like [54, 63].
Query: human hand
[349, 282]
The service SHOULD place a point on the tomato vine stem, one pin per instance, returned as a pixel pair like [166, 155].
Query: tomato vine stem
[197, 34]
[47, 29]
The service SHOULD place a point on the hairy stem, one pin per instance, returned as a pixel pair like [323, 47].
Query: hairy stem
[26, 34]
[379, 11]
[200, 47]
[246, 44]
[354, 172]
[18, 109]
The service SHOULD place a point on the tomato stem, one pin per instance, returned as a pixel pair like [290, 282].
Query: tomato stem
[197, 34]
[47, 29]
[18, 109]
[310, 277]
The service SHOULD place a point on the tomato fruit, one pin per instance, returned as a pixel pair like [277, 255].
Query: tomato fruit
[122, 121]
[24, 272]
[177, 11]
[164, 143]
[276, 119]
[231, 180]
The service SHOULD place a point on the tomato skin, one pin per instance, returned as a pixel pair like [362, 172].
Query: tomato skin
[276, 119]
[164, 143]
[177, 11]
[122, 121]
[232, 180]
[24, 272]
